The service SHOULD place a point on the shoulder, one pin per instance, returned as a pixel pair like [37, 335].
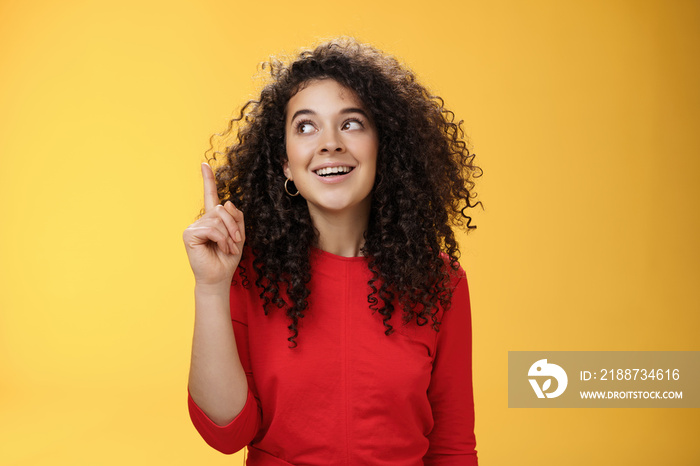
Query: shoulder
[454, 270]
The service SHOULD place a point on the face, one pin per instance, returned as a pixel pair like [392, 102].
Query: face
[331, 147]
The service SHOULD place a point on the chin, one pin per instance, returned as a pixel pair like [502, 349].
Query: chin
[336, 207]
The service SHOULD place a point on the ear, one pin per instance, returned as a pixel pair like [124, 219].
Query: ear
[286, 170]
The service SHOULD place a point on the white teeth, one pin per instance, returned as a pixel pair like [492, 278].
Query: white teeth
[333, 170]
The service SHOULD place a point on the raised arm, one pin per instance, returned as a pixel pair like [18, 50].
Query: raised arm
[218, 389]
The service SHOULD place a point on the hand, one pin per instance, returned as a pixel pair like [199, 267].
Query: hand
[214, 242]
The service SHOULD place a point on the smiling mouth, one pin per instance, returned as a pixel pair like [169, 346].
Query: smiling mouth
[333, 171]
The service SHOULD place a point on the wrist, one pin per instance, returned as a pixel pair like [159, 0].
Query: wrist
[219, 288]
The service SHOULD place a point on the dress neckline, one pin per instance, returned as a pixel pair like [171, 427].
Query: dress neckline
[325, 255]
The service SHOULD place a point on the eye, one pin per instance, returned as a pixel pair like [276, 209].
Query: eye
[353, 124]
[304, 127]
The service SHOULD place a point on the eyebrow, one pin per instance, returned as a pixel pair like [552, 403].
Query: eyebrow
[306, 111]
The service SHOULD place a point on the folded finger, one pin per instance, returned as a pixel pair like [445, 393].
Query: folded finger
[238, 218]
[215, 234]
[229, 222]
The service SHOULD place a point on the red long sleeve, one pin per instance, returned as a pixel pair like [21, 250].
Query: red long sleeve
[349, 394]
[452, 440]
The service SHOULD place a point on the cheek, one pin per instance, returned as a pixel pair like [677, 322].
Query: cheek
[292, 158]
[373, 154]
[365, 149]
[370, 162]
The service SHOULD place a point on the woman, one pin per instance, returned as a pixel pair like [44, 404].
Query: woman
[325, 250]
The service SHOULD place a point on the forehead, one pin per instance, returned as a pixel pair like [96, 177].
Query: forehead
[323, 96]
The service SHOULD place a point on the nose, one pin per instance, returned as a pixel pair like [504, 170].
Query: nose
[331, 143]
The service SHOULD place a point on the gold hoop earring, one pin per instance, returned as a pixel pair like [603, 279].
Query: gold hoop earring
[285, 188]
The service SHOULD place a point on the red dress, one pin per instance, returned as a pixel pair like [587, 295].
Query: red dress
[348, 394]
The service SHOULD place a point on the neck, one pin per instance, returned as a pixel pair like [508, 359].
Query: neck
[341, 234]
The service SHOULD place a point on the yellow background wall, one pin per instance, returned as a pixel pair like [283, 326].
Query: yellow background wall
[583, 115]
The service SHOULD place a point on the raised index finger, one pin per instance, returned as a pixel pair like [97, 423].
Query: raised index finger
[211, 198]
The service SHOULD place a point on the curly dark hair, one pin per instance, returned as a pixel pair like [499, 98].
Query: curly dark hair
[423, 186]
